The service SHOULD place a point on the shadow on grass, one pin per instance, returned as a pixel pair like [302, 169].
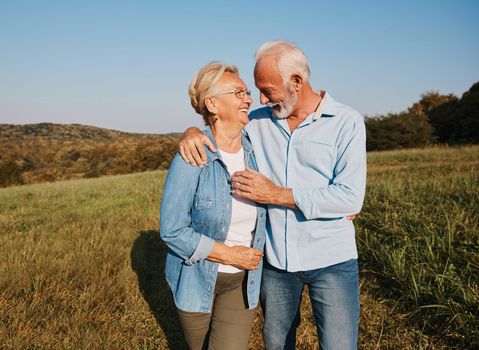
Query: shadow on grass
[148, 261]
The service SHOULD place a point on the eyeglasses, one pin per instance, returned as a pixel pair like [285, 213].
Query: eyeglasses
[239, 93]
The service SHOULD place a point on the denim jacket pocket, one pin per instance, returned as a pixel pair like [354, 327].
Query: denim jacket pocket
[201, 202]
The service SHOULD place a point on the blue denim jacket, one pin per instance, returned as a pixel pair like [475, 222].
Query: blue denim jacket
[196, 212]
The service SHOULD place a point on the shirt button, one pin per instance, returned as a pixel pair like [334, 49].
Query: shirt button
[252, 282]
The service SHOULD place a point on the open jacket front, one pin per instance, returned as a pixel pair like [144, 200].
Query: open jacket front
[196, 212]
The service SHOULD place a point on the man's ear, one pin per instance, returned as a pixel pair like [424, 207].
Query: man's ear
[210, 104]
[297, 82]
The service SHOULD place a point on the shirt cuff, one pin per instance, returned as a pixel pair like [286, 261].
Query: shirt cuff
[204, 248]
[303, 202]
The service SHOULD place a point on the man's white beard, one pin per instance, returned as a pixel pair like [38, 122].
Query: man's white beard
[286, 107]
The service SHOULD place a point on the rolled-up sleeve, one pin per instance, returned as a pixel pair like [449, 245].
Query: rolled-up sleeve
[345, 193]
[203, 250]
[175, 215]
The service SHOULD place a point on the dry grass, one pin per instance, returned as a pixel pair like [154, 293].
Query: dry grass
[82, 263]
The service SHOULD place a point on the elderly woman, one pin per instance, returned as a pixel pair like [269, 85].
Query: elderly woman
[215, 240]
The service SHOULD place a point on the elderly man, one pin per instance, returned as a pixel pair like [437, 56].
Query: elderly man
[311, 156]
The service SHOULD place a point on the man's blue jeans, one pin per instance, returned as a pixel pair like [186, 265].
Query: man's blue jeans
[334, 293]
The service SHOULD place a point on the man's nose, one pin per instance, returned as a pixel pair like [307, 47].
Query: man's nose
[263, 99]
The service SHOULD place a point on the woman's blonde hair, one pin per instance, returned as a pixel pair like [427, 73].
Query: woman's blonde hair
[204, 85]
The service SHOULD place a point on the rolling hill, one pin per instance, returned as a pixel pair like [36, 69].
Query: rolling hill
[48, 152]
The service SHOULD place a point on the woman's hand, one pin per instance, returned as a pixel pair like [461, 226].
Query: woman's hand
[244, 258]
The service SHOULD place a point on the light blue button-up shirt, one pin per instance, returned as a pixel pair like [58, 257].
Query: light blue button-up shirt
[324, 161]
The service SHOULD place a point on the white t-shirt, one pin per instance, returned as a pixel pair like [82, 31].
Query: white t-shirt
[243, 211]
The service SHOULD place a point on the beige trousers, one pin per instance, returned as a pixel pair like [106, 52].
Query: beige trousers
[230, 323]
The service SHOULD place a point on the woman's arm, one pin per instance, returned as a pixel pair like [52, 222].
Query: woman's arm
[175, 214]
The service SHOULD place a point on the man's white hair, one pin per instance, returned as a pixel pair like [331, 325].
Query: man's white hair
[290, 59]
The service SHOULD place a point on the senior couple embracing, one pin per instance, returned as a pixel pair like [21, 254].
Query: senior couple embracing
[259, 205]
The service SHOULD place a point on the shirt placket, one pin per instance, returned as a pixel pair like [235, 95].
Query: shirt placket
[288, 233]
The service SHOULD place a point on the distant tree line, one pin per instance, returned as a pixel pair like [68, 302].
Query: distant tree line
[49, 152]
[444, 119]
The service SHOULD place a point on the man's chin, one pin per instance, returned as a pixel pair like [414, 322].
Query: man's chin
[277, 112]
[279, 115]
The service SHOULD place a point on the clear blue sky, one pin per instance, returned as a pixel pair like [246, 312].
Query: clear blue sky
[126, 65]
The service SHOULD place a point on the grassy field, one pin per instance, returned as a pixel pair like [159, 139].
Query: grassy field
[82, 264]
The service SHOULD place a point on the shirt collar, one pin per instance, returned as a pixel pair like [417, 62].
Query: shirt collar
[326, 108]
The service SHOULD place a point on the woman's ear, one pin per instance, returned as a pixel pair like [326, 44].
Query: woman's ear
[210, 104]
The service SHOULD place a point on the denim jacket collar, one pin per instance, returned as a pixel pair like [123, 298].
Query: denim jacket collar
[247, 147]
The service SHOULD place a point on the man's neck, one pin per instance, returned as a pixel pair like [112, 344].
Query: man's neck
[307, 104]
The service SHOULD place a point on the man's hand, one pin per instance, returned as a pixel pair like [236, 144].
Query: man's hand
[250, 184]
[191, 147]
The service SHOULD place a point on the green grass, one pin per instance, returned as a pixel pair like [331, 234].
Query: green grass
[419, 238]
[82, 264]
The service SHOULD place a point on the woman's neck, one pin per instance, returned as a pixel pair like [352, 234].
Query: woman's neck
[227, 136]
